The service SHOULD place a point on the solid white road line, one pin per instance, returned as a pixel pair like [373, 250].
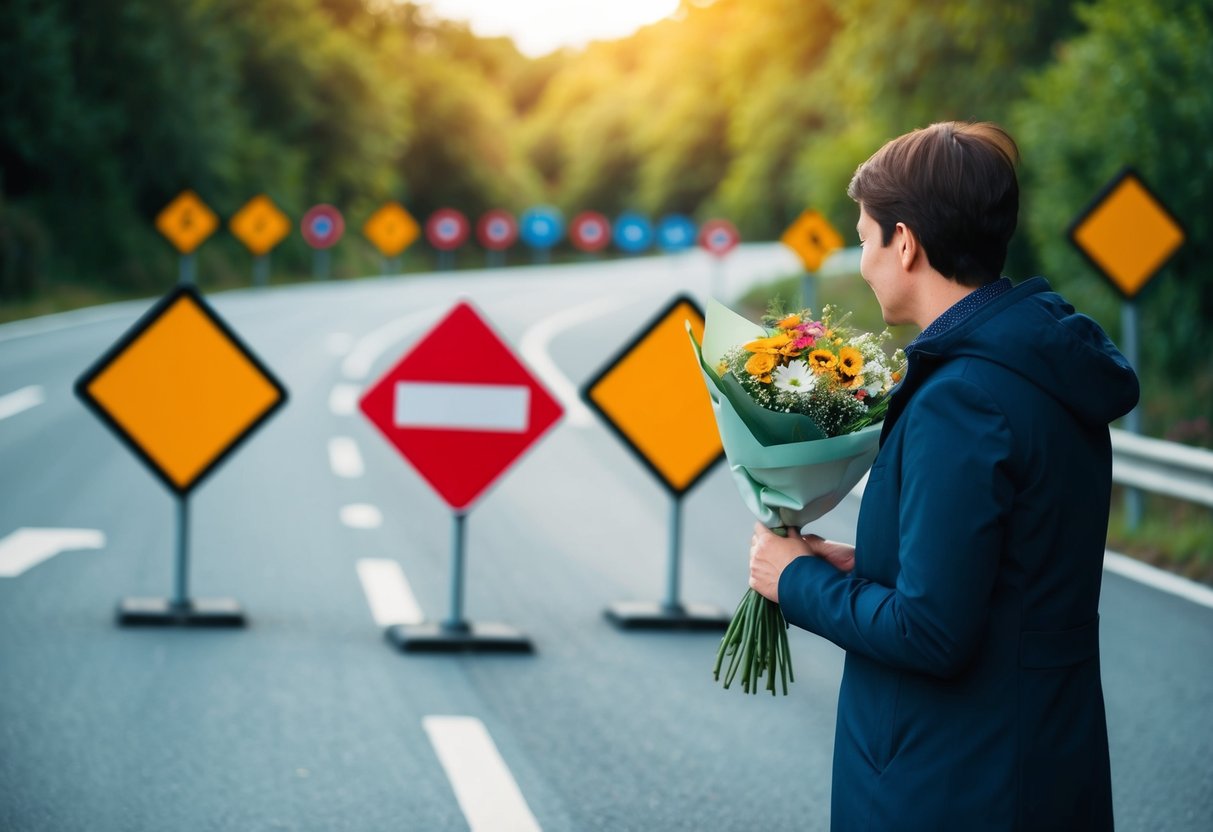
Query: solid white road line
[361, 516]
[13, 403]
[1143, 573]
[26, 548]
[490, 799]
[343, 399]
[344, 457]
[388, 592]
[357, 364]
[534, 348]
[484, 407]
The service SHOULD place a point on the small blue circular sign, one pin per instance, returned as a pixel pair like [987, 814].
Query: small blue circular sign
[676, 233]
[322, 226]
[633, 233]
[541, 227]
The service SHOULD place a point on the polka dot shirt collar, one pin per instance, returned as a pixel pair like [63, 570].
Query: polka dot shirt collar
[963, 308]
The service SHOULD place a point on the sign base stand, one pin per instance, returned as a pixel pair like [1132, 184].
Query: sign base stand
[198, 612]
[649, 615]
[671, 614]
[469, 638]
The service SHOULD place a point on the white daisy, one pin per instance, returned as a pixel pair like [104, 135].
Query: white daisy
[795, 377]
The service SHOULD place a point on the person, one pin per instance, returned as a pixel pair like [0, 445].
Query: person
[968, 607]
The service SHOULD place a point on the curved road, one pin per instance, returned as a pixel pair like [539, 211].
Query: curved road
[307, 719]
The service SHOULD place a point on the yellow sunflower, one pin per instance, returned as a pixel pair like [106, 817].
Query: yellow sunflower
[822, 361]
[789, 322]
[850, 362]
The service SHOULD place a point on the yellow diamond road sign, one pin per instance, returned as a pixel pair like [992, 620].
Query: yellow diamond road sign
[392, 229]
[652, 395]
[186, 222]
[181, 389]
[1127, 233]
[260, 225]
[812, 238]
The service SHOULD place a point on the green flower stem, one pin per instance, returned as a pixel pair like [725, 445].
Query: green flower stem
[756, 642]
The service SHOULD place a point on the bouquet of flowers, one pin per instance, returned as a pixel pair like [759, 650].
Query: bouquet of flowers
[797, 403]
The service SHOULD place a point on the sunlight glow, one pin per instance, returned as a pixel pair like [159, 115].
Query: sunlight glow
[543, 26]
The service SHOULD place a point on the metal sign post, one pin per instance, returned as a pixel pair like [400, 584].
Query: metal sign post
[322, 227]
[454, 621]
[260, 226]
[186, 271]
[1128, 235]
[261, 271]
[460, 425]
[179, 359]
[186, 222]
[667, 422]
[718, 238]
[812, 238]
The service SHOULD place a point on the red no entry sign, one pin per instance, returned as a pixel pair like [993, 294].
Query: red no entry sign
[719, 237]
[460, 407]
[322, 226]
[446, 229]
[590, 231]
[497, 230]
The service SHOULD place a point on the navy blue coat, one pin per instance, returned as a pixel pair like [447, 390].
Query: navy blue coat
[971, 697]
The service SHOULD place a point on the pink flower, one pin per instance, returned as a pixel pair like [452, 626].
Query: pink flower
[812, 329]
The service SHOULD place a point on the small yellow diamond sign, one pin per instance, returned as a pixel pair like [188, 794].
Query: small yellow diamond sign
[1127, 233]
[652, 395]
[186, 222]
[181, 389]
[812, 238]
[392, 229]
[260, 225]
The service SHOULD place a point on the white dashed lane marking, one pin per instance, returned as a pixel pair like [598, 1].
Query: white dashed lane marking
[388, 593]
[487, 793]
[361, 516]
[344, 457]
[20, 400]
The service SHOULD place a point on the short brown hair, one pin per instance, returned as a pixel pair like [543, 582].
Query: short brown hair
[953, 184]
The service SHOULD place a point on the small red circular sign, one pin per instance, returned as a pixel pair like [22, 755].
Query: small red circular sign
[322, 226]
[590, 231]
[446, 229]
[719, 237]
[497, 230]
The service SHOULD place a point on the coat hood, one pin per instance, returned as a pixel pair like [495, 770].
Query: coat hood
[1034, 332]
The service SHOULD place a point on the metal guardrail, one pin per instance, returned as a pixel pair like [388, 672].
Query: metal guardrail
[1161, 467]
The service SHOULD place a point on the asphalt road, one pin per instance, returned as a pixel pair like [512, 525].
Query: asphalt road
[308, 720]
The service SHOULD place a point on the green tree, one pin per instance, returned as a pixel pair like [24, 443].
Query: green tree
[1133, 89]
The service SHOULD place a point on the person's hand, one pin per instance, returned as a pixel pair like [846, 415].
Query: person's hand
[839, 555]
[770, 554]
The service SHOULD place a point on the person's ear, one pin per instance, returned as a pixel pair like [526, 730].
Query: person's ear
[907, 246]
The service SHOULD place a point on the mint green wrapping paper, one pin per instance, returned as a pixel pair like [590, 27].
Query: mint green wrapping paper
[785, 476]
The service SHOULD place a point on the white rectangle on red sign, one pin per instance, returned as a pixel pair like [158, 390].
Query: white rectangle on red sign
[448, 406]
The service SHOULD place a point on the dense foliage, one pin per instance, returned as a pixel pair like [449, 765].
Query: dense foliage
[750, 109]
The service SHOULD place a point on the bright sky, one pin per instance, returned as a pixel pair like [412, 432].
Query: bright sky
[542, 26]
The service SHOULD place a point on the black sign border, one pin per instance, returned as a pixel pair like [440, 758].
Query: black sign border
[150, 317]
[588, 388]
[1123, 174]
